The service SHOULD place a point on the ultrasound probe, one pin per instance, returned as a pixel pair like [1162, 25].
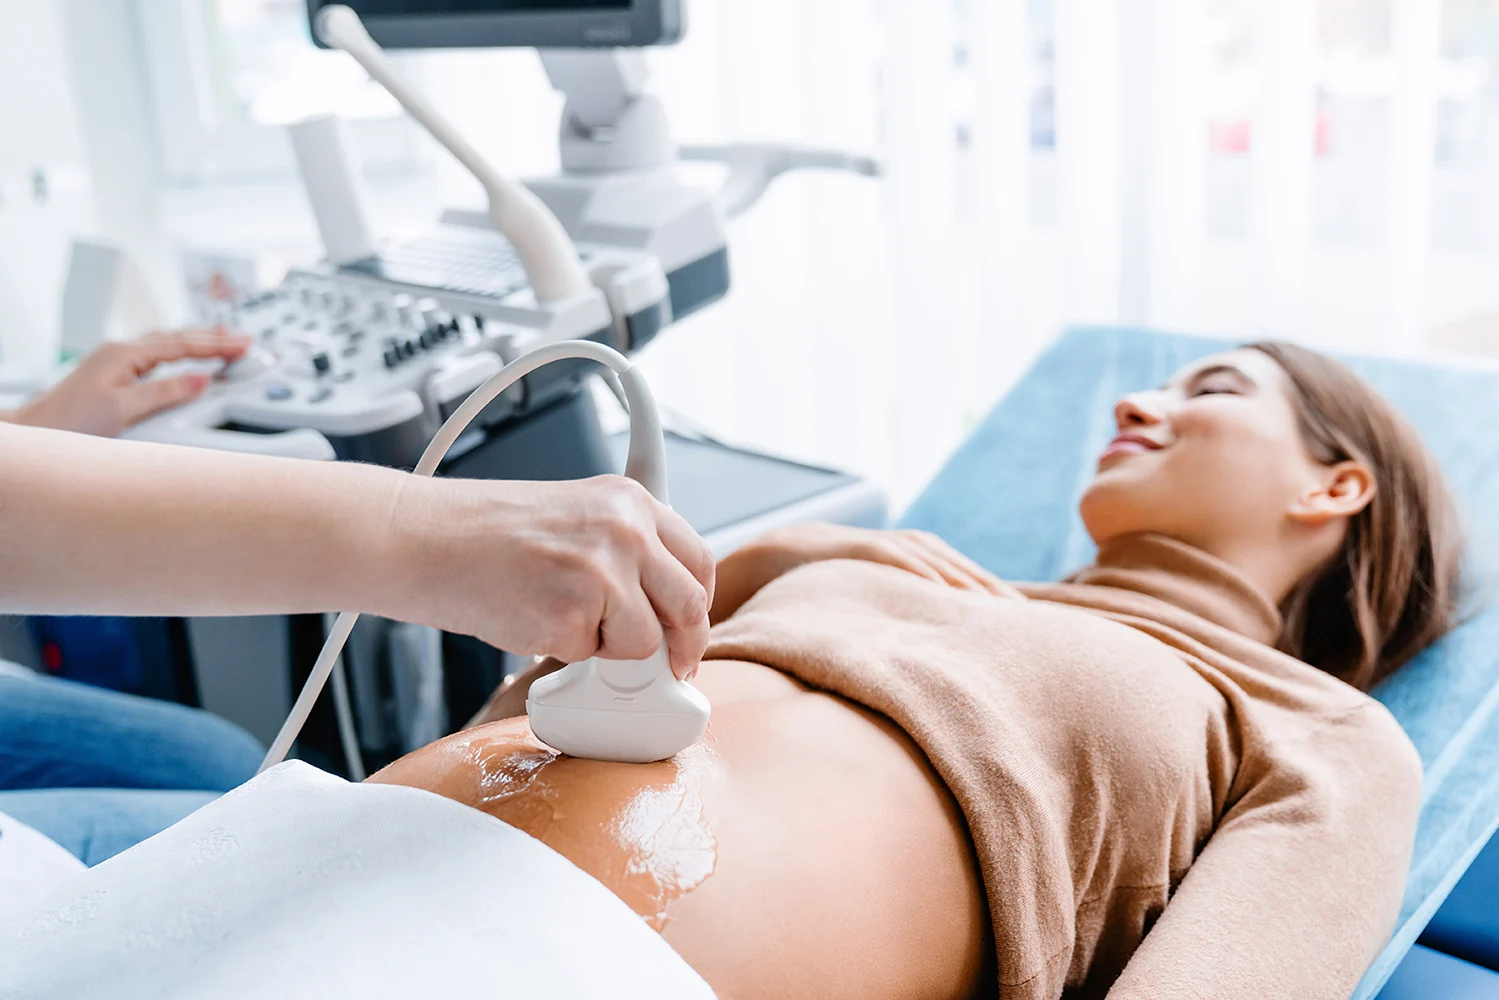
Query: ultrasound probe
[633, 711]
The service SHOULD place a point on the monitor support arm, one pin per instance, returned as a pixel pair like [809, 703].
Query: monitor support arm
[610, 122]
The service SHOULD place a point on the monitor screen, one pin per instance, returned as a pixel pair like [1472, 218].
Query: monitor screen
[415, 24]
[397, 8]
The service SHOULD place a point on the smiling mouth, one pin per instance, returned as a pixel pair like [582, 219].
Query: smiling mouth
[1127, 446]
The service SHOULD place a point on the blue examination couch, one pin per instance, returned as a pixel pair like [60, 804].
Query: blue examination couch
[1008, 498]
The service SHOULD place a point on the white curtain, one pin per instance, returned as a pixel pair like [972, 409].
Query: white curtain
[849, 338]
[852, 336]
[839, 341]
[1046, 162]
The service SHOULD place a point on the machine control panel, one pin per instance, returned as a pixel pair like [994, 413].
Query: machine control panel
[365, 360]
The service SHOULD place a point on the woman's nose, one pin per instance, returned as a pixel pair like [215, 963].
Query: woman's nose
[1138, 409]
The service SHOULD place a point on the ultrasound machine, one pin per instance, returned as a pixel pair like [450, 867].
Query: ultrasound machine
[362, 355]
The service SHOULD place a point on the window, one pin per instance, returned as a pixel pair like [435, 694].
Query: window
[1466, 213]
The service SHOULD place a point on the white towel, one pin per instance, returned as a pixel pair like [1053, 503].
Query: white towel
[31, 865]
[300, 884]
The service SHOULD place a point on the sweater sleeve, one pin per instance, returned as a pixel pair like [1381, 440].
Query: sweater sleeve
[1300, 885]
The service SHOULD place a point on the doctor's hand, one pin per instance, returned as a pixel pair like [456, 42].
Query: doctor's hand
[570, 569]
[107, 393]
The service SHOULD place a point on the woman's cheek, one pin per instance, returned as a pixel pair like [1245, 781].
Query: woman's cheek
[1219, 444]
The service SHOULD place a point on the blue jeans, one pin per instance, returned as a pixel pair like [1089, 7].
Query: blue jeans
[95, 824]
[98, 771]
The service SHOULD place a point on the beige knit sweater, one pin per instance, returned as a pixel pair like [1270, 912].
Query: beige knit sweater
[1162, 805]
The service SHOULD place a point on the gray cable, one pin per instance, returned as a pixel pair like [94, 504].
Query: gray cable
[347, 734]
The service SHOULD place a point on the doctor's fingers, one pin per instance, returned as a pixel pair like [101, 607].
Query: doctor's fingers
[144, 399]
[687, 547]
[629, 629]
[679, 602]
[210, 342]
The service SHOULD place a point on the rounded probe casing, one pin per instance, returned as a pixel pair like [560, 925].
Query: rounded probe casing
[634, 712]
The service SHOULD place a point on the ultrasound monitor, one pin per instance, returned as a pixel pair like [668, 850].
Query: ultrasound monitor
[544, 24]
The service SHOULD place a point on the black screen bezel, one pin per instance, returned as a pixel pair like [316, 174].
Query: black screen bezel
[643, 22]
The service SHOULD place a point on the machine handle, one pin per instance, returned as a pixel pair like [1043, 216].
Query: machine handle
[752, 167]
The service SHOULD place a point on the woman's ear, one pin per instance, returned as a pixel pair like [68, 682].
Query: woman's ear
[1343, 490]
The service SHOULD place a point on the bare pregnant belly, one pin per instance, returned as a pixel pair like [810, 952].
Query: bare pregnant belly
[804, 849]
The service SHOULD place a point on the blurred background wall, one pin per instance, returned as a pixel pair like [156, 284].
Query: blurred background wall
[1326, 171]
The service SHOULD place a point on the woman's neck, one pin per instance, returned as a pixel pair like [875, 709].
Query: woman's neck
[1264, 566]
[1189, 577]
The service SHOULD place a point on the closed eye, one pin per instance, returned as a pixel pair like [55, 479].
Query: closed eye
[1214, 380]
[1219, 380]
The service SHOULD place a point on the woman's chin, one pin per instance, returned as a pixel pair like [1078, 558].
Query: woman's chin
[1116, 503]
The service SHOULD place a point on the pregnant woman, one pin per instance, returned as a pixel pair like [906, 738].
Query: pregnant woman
[1162, 777]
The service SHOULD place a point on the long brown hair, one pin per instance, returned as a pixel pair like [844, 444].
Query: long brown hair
[1394, 586]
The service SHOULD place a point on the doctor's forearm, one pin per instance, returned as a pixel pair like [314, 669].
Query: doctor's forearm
[93, 526]
[89, 526]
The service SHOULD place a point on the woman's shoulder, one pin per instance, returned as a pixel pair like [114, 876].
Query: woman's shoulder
[1381, 739]
[1354, 768]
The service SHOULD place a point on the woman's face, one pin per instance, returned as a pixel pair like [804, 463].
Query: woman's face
[1214, 458]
